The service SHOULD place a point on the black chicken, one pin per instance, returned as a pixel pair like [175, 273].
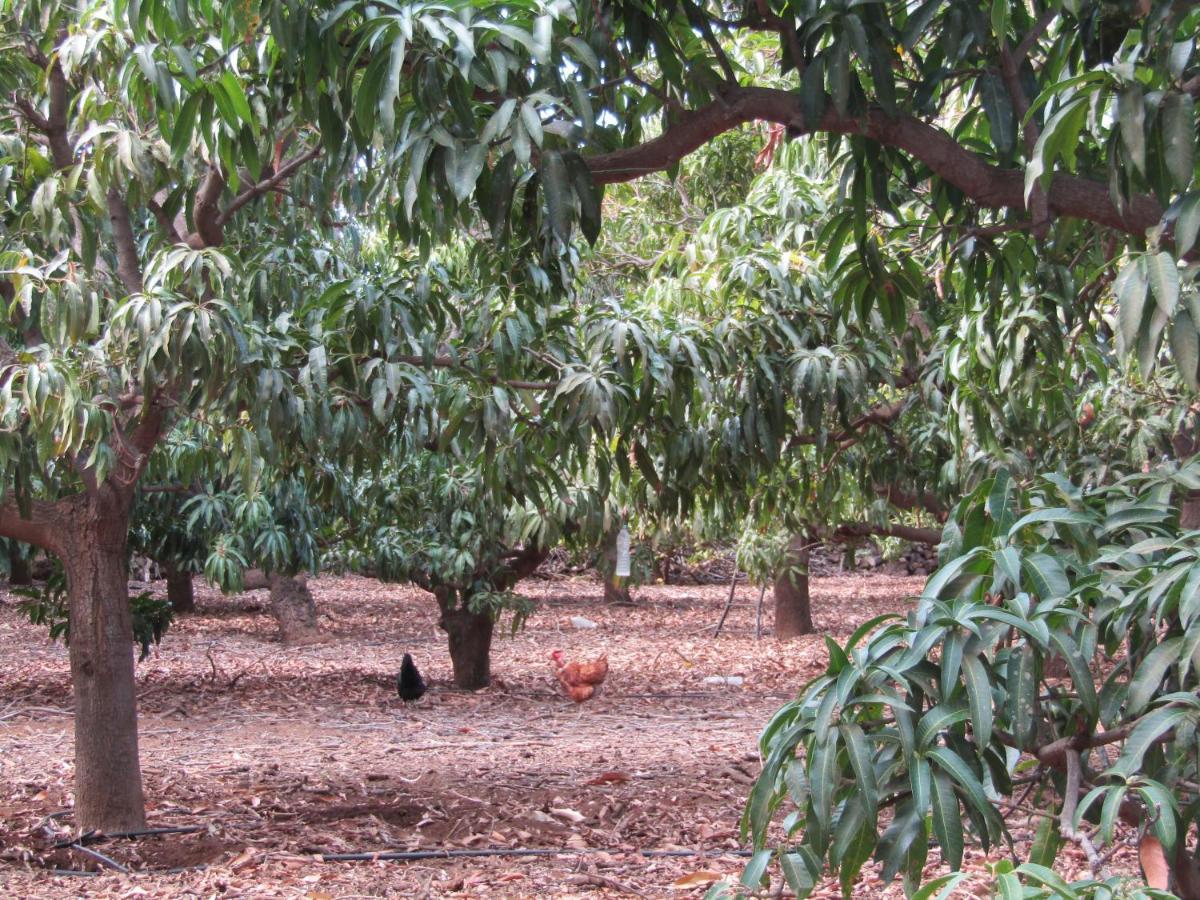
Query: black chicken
[409, 684]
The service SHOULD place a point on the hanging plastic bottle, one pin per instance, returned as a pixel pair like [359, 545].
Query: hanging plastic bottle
[622, 570]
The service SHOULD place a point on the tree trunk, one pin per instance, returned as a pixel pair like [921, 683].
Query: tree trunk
[616, 592]
[1189, 513]
[294, 609]
[616, 589]
[793, 612]
[470, 636]
[179, 591]
[108, 779]
[20, 572]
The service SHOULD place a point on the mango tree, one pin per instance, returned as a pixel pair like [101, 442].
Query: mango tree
[151, 153]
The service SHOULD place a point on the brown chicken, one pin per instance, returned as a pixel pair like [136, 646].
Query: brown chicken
[581, 680]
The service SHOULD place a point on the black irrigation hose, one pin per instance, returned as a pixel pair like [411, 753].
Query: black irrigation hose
[413, 855]
[106, 861]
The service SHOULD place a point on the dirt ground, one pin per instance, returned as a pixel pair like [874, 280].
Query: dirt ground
[278, 754]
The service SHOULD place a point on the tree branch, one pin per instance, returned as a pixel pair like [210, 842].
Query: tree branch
[1009, 64]
[902, 499]
[129, 269]
[851, 530]
[985, 184]
[54, 124]
[41, 529]
[286, 171]
[207, 214]
[884, 414]
[164, 221]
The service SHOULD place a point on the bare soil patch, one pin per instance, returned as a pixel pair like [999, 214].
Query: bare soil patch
[282, 753]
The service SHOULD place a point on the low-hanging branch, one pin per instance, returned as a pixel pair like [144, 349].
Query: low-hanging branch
[851, 530]
[985, 184]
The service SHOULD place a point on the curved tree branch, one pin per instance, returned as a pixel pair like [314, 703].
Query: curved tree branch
[851, 530]
[984, 183]
[41, 528]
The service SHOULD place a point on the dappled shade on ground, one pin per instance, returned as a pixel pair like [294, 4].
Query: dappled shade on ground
[285, 752]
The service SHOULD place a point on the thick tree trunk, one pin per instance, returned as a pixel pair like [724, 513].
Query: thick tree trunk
[20, 572]
[179, 591]
[108, 780]
[470, 637]
[793, 612]
[294, 609]
[615, 591]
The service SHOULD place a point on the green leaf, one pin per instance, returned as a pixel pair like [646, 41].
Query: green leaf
[944, 885]
[863, 765]
[1177, 113]
[839, 75]
[1009, 887]
[947, 821]
[1164, 281]
[237, 97]
[852, 844]
[1185, 348]
[942, 578]
[467, 172]
[939, 719]
[558, 194]
[1187, 224]
[1110, 811]
[1149, 675]
[589, 194]
[1130, 287]
[1145, 733]
[997, 106]
[979, 699]
[1059, 137]
[532, 121]
[801, 869]
[1131, 114]
[1081, 675]
[823, 777]
[1047, 576]
[756, 868]
[1054, 516]
[1023, 707]
[1046, 843]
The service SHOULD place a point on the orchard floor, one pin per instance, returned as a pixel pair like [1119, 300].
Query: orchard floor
[280, 754]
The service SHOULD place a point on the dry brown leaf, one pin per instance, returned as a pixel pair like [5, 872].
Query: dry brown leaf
[1154, 863]
[695, 879]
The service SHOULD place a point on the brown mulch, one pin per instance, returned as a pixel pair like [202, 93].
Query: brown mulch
[278, 754]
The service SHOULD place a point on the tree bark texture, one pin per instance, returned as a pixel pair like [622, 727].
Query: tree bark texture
[470, 637]
[108, 780]
[294, 609]
[180, 592]
[793, 611]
